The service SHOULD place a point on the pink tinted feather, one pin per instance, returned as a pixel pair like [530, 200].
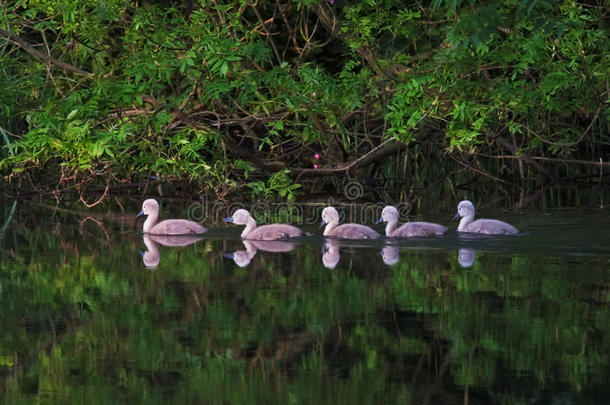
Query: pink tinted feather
[353, 231]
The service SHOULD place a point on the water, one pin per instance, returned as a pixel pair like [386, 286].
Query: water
[91, 313]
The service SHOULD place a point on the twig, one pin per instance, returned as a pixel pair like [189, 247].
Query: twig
[291, 35]
[130, 113]
[47, 58]
[100, 224]
[525, 157]
[571, 143]
[547, 159]
[474, 169]
[9, 218]
[267, 33]
[308, 38]
[190, 96]
[99, 200]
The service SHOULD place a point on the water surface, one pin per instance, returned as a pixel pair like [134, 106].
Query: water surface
[91, 313]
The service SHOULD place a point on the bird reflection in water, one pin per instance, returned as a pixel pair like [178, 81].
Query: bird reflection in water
[330, 253]
[466, 257]
[243, 257]
[390, 254]
[151, 256]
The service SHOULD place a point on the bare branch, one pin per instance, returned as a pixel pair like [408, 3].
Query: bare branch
[13, 39]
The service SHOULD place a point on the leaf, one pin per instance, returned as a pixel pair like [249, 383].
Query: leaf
[71, 115]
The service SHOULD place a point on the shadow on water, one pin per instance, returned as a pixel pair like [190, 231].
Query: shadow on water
[452, 319]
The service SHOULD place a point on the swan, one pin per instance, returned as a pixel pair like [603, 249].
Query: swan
[487, 226]
[330, 218]
[264, 232]
[409, 229]
[150, 208]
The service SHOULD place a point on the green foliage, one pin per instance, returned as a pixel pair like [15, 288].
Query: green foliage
[279, 184]
[170, 87]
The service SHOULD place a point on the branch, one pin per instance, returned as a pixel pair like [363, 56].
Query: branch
[267, 32]
[252, 157]
[599, 163]
[474, 169]
[567, 145]
[13, 39]
[526, 158]
[380, 152]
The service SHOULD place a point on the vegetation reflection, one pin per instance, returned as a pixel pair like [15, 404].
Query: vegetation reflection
[82, 318]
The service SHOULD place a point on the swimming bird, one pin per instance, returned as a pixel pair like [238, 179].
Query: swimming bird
[409, 229]
[150, 208]
[264, 232]
[330, 218]
[487, 226]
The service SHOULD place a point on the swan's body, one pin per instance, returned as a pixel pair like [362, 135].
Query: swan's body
[150, 208]
[486, 226]
[409, 229]
[264, 232]
[330, 218]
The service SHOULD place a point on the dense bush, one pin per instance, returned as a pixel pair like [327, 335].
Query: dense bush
[234, 95]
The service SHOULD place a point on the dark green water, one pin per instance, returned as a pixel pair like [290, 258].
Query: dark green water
[454, 319]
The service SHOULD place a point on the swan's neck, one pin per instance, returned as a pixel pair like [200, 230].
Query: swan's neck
[151, 256]
[329, 227]
[250, 226]
[151, 221]
[150, 245]
[390, 227]
[465, 221]
[250, 249]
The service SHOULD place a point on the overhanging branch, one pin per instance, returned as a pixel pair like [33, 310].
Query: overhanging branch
[15, 40]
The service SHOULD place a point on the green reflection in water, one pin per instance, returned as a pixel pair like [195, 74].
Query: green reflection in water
[84, 319]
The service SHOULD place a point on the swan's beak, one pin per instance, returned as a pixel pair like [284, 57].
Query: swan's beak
[322, 223]
[141, 252]
[228, 219]
[380, 220]
[229, 256]
[140, 213]
[456, 216]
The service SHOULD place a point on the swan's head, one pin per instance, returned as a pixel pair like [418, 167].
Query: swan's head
[240, 217]
[329, 216]
[151, 259]
[149, 207]
[240, 257]
[389, 214]
[465, 209]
